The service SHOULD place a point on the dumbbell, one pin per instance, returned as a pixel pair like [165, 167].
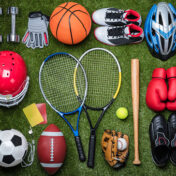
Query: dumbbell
[13, 37]
[0, 14]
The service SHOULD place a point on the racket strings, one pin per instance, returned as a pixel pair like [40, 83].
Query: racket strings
[103, 77]
[57, 80]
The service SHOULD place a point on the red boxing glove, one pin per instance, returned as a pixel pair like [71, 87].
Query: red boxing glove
[171, 75]
[157, 90]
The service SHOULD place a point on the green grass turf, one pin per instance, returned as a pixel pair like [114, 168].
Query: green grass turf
[14, 117]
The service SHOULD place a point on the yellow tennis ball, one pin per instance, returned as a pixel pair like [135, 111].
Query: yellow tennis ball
[122, 113]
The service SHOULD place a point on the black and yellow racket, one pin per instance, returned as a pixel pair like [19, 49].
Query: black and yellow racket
[104, 80]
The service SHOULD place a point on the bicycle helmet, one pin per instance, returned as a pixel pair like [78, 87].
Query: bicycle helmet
[160, 30]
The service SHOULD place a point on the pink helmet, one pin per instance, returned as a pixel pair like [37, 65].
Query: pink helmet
[14, 81]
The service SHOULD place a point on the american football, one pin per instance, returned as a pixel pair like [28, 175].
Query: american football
[51, 149]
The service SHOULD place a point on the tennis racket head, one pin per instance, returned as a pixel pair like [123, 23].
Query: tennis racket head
[57, 82]
[104, 77]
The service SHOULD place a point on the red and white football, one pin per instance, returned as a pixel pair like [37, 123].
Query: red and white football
[51, 149]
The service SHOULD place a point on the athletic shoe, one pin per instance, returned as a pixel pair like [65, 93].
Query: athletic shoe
[172, 137]
[119, 35]
[159, 140]
[116, 17]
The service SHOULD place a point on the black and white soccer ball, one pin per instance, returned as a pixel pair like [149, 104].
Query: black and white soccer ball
[13, 147]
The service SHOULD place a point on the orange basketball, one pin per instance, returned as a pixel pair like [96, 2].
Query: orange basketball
[70, 23]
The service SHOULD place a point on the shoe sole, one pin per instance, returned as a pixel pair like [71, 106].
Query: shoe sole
[172, 161]
[92, 18]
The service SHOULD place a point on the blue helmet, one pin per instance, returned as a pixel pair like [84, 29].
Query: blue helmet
[160, 30]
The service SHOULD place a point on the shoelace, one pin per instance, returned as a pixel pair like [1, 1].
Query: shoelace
[114, 14]
[173, 126]
[116, 31]
[159, 125]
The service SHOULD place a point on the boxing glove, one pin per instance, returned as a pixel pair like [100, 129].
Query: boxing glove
[156, 94]
[171, 75]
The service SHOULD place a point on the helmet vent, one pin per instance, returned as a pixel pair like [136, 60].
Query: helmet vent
[160, 19]
[169, 18]
[12, 58]
[13, 64]
[157, 47]
[162, 42]
[149, 37]
[153, 32]
[174, 16]
[170, 41]
[10, 69]
[11, 54]
[153, 17]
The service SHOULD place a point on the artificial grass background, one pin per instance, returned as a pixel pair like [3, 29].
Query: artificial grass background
[14, 117]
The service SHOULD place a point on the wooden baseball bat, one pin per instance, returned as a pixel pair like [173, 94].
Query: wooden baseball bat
[135, 102]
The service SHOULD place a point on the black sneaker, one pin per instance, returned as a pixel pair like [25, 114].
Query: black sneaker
[172, 137]
[116, 17]
[159, 140]
[119, 35]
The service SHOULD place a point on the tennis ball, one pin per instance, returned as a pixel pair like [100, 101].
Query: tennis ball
[122, 113]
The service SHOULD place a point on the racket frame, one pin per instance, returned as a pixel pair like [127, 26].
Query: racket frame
[79, 109]
[92, 139]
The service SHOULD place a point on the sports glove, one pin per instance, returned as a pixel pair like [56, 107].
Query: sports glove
[109, 143]
[157, 90]
[171, 75]
[36, 35]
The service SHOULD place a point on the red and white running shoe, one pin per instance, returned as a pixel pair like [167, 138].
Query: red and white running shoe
[116, 17]
[119, 35]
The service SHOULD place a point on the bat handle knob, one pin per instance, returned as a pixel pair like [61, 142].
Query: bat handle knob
[137, 162]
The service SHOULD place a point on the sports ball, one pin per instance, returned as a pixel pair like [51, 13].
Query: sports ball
[122, 113]
[51, 149]
[70, 23]
[121, 144]
[13, 147]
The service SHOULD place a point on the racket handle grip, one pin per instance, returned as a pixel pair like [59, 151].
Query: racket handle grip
[80, 149]
[91, 155]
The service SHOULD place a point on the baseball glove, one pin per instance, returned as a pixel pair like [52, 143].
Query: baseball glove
[109, 143]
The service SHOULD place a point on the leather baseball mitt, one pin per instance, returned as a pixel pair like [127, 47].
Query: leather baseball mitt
[112, 154]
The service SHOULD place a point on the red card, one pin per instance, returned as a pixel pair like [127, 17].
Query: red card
[42, 109]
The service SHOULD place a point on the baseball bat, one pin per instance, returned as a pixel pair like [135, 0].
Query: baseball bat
[135, 102]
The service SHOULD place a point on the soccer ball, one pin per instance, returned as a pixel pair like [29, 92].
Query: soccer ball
[13, 147]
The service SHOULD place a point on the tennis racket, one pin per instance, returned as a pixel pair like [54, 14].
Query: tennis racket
[104, 79]
[57, 83]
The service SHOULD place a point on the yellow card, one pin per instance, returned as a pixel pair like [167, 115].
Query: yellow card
[33, 115]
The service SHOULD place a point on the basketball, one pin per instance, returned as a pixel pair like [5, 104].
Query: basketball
[70, 23]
